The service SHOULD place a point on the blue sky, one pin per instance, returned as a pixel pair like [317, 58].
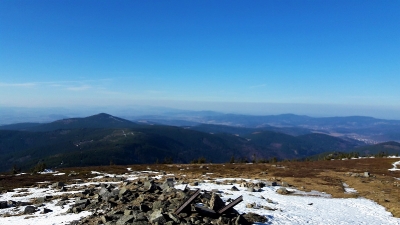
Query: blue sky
[310, 57]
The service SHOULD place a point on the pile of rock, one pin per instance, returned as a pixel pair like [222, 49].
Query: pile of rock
[149, 202]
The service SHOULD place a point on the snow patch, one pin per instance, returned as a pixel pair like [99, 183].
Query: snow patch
[58, 174]
[302, 208]
[395, 166]
[348, 189]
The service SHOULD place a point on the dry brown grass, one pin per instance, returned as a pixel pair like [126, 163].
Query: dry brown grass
[324, 176]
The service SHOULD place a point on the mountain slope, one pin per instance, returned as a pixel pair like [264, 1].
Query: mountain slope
[213, 128]
[19, 126]
[390, 148]
[328, 143]
[85, 147]
[287, 146]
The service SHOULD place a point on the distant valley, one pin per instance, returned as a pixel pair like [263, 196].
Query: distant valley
[365, 129]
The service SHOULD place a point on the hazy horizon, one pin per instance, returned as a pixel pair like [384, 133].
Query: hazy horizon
[315, 58]
[39, 114]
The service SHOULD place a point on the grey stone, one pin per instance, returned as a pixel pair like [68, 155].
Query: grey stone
[240, 220]
[250, 189]
[140, 223]
[195, 183]
[366, 174]
[123, 191]
[110, 186]
[254, 218]
[103, 190]
[58, 185]
[104, 219]
[45, 210]
[128, 212]
[268, 208]
[250, 205]
[149, 186]
[40, 200]
[3, 204]
[38, 205]
[140, 198]
[11, 203]
[144, 208]
[125, 219]
[61, 203]
[22, 203]
[284, 184]
[81, 202]
[76, 210]
[223, 220]
[140, 216]
[115, 192]
[174, 217]
[234, 188]
[282, 191]
[117, 179]
[157, 217]
[216, 202]
[29, 209]
[167, 184]
[269, 200]
[158, 205]
[106, 194]
[206, 220]
[260, 185]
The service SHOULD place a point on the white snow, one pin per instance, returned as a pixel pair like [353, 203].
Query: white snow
[348, 189]
[395, 166]
[58, 174]
[57, 216]
[47, 171]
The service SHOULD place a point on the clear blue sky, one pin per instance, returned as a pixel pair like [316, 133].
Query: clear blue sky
[211, 55]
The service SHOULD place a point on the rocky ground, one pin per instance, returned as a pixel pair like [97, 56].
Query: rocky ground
[145, 195]
[116, 200]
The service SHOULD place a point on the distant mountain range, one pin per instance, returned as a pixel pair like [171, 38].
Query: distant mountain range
[103, 139]
[366, 129]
